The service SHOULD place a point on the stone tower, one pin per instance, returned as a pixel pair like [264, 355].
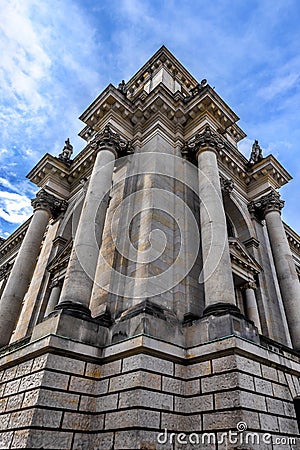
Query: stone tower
[152, 299]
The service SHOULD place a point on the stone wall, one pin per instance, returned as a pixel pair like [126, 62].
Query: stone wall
[78, 401]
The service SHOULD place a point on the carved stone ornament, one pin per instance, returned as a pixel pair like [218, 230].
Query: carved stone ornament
[256, 154]
[269, 202]
[227, 185]
[250, 285]
[206, 139]
[44, 200]
[108, 139]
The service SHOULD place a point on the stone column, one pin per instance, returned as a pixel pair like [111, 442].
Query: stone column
[251, 304]
[77, 287]
[216, 273]
[44, 205]
[270, 206]
[55, 287]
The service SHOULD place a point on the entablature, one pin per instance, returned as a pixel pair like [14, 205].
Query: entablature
[293, 239]
[265, 175]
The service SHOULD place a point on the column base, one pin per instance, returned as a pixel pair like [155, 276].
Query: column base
[221, 308]
[74, 309]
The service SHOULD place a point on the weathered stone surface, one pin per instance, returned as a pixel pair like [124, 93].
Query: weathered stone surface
[281, 391]
[268, 423]
[4, 420]
[263, 386]
[55, 380]
[3, 402]
[65, 364]
[135, 379]
[144, 398]
[132, 418]
[269, 373]
[172, 385]
[274, 406]
[82, 422]
[149, 363]
[288, 426]
[192, 387]
[30, 398]
[99, 441]
[86, 385]
[6, 439]
[193, 370]
[60, 400]
[24, 368]
[31, 381]
[14, 402]
[9, 374]
[12, 387]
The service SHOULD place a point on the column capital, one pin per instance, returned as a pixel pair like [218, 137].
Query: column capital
[265, 204]
[250, 285]
[109, 140]
[45, 200]
[204, 141]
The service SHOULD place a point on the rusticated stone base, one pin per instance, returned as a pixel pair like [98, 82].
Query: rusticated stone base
[62, 394]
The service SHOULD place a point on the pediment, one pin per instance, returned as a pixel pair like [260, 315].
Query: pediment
[240, 257]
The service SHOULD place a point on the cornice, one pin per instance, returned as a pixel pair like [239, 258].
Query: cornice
[13, 242]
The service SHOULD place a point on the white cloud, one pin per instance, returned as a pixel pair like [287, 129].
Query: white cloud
[15, 208]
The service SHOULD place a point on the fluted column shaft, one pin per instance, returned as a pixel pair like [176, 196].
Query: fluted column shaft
[251, 304]
[22, 270]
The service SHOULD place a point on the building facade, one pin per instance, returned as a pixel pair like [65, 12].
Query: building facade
[152, 300]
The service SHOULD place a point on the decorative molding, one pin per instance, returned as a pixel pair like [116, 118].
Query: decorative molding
[227, 185]
[47, 201]
[5, 270]
[109, 139]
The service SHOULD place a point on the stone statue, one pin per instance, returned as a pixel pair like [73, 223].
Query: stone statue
[256, 154]
[121, 87]
[66, 153]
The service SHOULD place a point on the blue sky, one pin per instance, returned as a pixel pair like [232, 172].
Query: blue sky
[58, 55]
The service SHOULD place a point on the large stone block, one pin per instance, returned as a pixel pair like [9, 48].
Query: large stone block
[6, 439]
[144, 398]
[135, 379]
[132, 418]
